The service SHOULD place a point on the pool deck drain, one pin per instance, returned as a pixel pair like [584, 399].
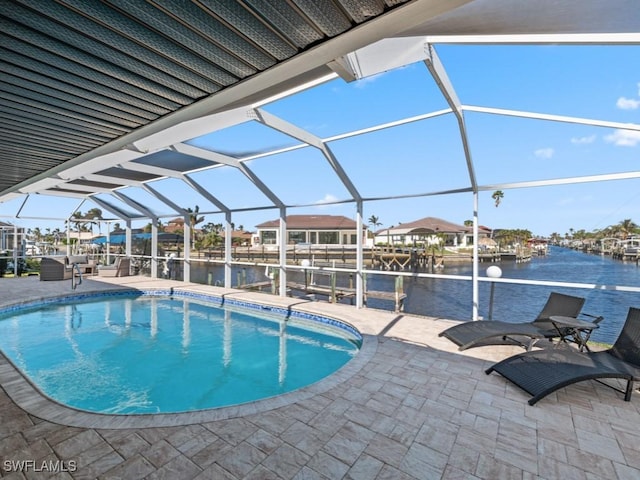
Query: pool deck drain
[408, 406]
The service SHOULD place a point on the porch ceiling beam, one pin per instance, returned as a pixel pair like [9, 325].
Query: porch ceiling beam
[134, 204]
[151, 169]
[165, 200]
[111, 209]
[381, 56]
[232, 162]
[95, 177]
[553, 118]
[209, 155]
[41, 185]
[296, 132]
[287, 128]
[55, 193]
[86, 189]
[204, 192]
[106, 161]
[383, 126]
[539, 39]
[439, 74]
[562, 181]
[193, 128]
[422, 194]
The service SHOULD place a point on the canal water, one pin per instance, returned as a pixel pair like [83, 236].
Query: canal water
[512, 302]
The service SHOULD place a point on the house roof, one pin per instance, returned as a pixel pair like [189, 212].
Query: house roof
[238, 234]
[488, 242]
[429, 225]
[318, 222]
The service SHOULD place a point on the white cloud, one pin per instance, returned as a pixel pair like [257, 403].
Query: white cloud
[624, 138]
[544, 153]
[363, 82]
[583, 140]
[328, 198]
[627, 103]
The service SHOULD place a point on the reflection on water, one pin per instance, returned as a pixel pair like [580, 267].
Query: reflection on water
[161, 354]
[517, 303]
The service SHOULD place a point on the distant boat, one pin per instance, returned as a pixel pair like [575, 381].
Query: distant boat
[628, 249]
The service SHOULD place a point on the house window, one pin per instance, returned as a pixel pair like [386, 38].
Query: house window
[330, 238]
[297, 237]
[313, 237]
[268, 237]
[354, 239]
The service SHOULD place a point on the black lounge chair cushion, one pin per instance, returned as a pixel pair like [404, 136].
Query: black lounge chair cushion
[542, 372]
[491, 332]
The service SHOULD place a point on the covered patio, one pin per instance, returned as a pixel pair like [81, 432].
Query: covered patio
[133, 107]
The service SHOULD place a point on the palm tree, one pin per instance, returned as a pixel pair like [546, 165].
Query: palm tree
[37, 234]
[497, 196]
[194, 219]
[77, 217]
[626, 227]
[94, 214]
[374, 221]
[555, 237]
[211, 239]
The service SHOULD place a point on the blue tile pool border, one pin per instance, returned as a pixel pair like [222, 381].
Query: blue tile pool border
[27, 395]
[214, 300]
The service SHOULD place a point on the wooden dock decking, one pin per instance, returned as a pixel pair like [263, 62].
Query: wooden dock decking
[333, 292]
[338, 293]
[380, 258]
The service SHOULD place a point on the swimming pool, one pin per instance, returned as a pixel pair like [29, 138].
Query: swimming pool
[151, 352]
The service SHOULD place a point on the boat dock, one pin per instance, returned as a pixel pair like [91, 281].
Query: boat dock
[333, 292]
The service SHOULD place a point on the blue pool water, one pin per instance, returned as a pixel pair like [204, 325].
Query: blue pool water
[158, 354]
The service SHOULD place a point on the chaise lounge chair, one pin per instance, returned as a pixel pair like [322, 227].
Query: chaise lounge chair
[491, 332]
[542, 372]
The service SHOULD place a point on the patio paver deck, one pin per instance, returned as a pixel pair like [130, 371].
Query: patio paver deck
[413, 407]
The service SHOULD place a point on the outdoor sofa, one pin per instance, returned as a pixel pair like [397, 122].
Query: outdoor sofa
[62, 268]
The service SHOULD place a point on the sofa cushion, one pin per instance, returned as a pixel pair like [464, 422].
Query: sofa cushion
[80, 259]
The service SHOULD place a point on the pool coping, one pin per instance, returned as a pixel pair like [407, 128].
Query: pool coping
[32, 400]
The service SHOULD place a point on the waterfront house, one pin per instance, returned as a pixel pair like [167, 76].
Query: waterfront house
[174, 225]
[429, 230]
[239, 237]
[8, 235]
[310, 229]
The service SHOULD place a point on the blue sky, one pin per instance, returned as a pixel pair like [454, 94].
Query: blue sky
[600, 83]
